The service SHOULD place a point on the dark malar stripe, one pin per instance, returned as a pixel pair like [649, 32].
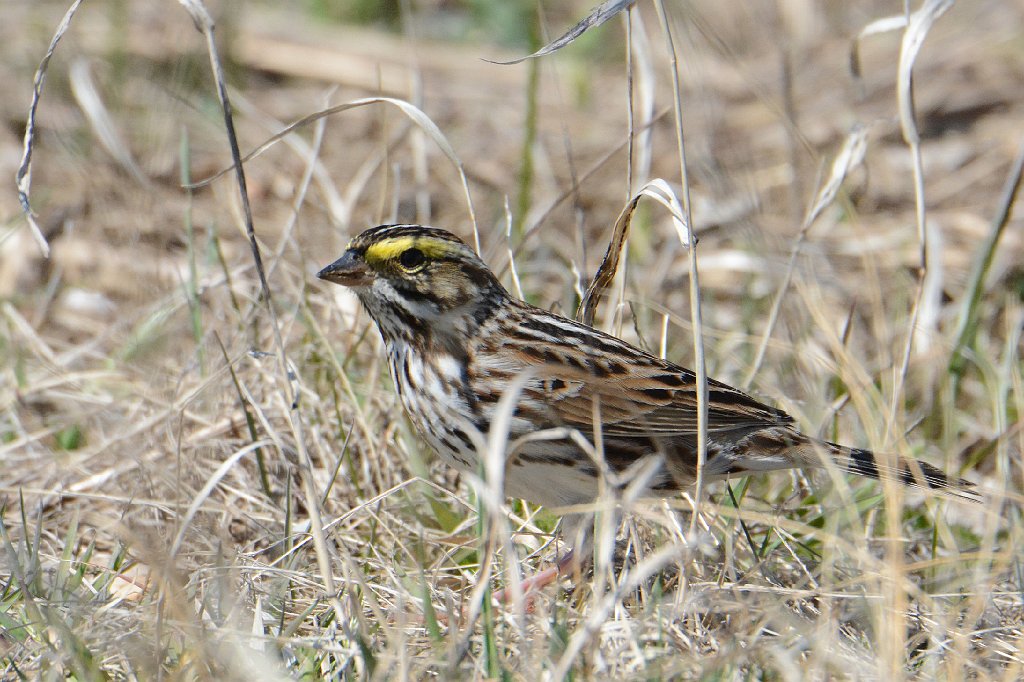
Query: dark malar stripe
[409, 324]
[411, 294]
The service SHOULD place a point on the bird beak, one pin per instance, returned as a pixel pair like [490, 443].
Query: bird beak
[350, 271]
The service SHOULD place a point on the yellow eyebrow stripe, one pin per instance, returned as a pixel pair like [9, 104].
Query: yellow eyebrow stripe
[389, 249]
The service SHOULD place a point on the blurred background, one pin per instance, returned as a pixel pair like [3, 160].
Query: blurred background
[137, 357]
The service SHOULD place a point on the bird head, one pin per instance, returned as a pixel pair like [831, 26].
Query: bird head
[413, 277]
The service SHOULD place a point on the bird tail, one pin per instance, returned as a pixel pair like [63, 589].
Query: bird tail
[909, 472]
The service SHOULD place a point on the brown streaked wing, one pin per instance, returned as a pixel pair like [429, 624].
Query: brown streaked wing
[637, 407]
[640, 395]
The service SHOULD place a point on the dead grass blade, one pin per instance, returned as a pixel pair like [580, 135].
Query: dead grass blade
[850, 155]
[98, 115]
[413, 112]
[876, 27]
[597, 16]
[204, 23]
[208, 487]
[600, 614]
[929, 286]
[23, 178]
[656, 189]
[642, 83]
[690, 241]
[609, 264]
[339, 207]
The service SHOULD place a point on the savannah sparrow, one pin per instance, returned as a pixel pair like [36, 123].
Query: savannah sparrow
[456, 339]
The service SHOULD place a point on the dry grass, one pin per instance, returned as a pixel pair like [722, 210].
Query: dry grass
[160, 471]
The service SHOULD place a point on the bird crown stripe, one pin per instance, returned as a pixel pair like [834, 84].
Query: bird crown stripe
[390, 248]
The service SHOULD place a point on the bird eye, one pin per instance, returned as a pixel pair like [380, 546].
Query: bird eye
[411, 258]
